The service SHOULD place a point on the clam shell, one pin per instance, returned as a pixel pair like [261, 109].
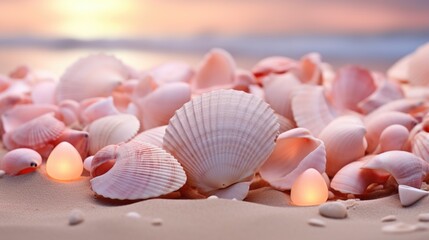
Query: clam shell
[221, 138]
[311, 109]
[345, 142]
[153, 136]
[101, 108]
[111, 130]
[23, 113]
[92, 76]
[141, 171]
[103, 160]
[418, 71]
[394, 137]
[296, 151]
[20, 160]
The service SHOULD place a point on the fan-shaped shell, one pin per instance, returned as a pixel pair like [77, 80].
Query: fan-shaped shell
[141, 171]
[111, 130]
[418, 71]
[296, 151]
[311, 109]
[285, 124]
[103, 160]
[20, 160]
[23, 113]
[221, 138]
[92, 76]
[153, 136]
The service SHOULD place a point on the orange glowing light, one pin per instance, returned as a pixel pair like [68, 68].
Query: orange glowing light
[309, 189]
[64, 163]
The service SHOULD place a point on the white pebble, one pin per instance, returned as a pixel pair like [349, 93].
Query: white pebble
[75, 217]
[333, 210]
[2, 173]
[389, 218]
[134, 215]
[316, 222]
[234, 199]
[399, 228]
[424, 217]
[157, 222]
[213, 197]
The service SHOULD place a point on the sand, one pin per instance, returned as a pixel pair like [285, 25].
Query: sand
[33, 206]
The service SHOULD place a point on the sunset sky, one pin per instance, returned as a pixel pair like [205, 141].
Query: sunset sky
[182, 18]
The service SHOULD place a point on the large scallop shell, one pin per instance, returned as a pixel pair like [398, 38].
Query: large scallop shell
[140, 171]
[20, 161]
[111, 130]
[153, 136]
[23, 113]
[221, 138]
[92, 76]
[296, 151]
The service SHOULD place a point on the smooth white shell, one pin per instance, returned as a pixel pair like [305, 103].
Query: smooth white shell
[20, 159]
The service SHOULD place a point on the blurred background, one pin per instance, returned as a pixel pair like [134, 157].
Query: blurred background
[51, 34]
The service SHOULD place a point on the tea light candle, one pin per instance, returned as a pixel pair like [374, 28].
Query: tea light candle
[309, 189]
[64, 163]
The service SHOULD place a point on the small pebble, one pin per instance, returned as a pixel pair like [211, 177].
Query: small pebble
[2, 173]
[399, 228]
[75, 217]
[424, 217]
[234, 199]
[156, 222]
[316, 222]
[389, 218]
[213, 197]
[134, 215]
[333, 210]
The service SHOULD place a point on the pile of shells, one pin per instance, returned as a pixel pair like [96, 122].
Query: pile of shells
[216, 129]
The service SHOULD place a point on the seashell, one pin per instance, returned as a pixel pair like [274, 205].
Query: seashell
[352, 85]
[277, 65]
[210, 136]
[76, 217]
[243, 79]
[285, 124]
[419, 145]
[353, 179]
[235, 191]
[159, 106]
[100, 74]
[102, 108]
[87, 163]
[79, 139]
[278, 92]
[111, 130]
[375, 125]
[16, 88]
[394, 137]
[215, 70]
[399, 70]
[172, 72]
[23, 113]
[296, 151]
[311, 109]
[103, 160]
[335, 210]
[10, 101]
[410, 195]
[144, 86]
[153, 136]
[345, 142]
[418, 72]
[405, 105]
[309, 189]
[405, 167]
[44, 93]
[257, 91]
[140, 171]
[20, 161]
[309, 69]
[20, 72]
[36, 133]
[69, 112]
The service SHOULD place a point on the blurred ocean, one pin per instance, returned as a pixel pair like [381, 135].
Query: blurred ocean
[374, 52]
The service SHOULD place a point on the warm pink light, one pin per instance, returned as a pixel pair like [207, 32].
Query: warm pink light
[64, 163]
[309, 189]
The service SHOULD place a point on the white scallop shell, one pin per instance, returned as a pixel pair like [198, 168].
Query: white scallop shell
[20, 159]
[111, 130]
[141, 171]
[221, 138]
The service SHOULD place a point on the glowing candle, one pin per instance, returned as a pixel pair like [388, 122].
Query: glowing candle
[64, 163]
[309, 189]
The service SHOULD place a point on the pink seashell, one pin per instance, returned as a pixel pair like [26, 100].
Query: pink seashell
[20, 161]
[354, 179]
[296, 151]
[257, 91]
[418, 71]
[405, 105]
[37, 132]
[8, 102]
[405, 167]
[285, 124]
[409, 195]
[141, 171]
[278, 91]
[375, 125]
[172, 72]
[23, 113]
[399, 70]
[216, 69]
[103, 160]
[5, 82]
[345, 142]
[311, 109]
[277, 65]
[420, 145]
[236, 191]
[394, 137]
[20, 72]
[159, 106]
[44, 93]
[309, 69]
[111, 130]
[144, 86]
[352, 85]
[79, 140]
[243, 79]
[100, 74]
[153, 136]
[212, 142]
[69, 112]
[101, 108]
[16, 88]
